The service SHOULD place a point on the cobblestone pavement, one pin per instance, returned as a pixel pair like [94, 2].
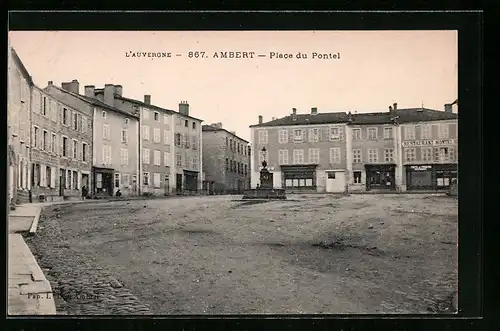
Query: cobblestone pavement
[212, 255]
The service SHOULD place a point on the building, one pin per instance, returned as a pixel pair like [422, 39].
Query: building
[170, 143]
[396, 150]
[429, 145]
[226, 161]
[115, 147]
[304, 152]
[18, 129]
[61, 153]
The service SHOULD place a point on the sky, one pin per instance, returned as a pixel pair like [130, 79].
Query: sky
[374, 70]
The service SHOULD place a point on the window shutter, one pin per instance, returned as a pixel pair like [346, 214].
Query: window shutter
[341, 133]
[80, 123]
[42, 175]
[79, 180]
[53, 177]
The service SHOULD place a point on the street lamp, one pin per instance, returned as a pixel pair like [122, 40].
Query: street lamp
[264, 153]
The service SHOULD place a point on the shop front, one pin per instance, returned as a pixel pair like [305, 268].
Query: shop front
[298, 177]
[430, 177]
[190, 180]
[380, 177]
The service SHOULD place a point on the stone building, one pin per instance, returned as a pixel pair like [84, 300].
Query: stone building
[225, 161]
[304, 152]
[169, 143]
[115, 147]
[61, 153]
[19, 88]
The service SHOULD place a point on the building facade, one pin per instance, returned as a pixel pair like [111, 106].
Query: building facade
[61, 151]
[18, 129]
[115, 147]
[397, 150]
[169, 144]
[226, 161]
[304, 152]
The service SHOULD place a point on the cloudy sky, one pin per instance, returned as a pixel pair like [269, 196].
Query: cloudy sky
[375, 69]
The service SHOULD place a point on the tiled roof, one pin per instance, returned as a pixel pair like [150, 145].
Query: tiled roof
[95, 102]
[212, 128]
[143, 104]
[405, 115]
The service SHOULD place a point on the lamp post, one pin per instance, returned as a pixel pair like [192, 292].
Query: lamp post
[264, 153]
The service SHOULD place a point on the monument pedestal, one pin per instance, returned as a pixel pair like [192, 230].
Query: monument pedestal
[265, 190]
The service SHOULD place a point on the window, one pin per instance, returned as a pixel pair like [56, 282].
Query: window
[356, 156]
[389, 155]
[64, 146]
[194, 143]
[262, 137]
[298, 156]
[84, 124]
[75, 180]
[388, 133]
[409, 132]
[331, 174]
[451, 154]
[123, 156]
[426, 153]
[194, 163]
[53, 143]
[126, 121]
[145, 155]
[445, 154]
[48, 176]
[335, 156]
[156, 116]
[103, 114]
[178, 159]
[357, 177]
[283, 156]
[238, 168]
[156, 180]
[36, 137]
[145, 132]
[75, 121]
[165, 119]
[106, 154]
[178, 121]
[44, 106]
[166, 159]
[187, 143]
[177, 140]
[145, 179]
[75, 149]
[194, 125]
[314, 135]
[298, 135]
[186, 123]
[226, 142]
[426, 132]
[84, 152]
[156, 135]
[124, 136]
[372, 155]
[356, 134]
[105, 131]
[283, 136]
[410, 154]
[117, 179]
[231, 144]
[246, 169]
[65, 116]
[145, 113]
[314, 155]
[371, 133]
[227, 163]
[157, 159]
[443, 131]
[334, 134]
[165, 137]
[45, 141]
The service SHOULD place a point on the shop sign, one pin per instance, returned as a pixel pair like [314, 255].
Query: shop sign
[435, 142]
[421, 168]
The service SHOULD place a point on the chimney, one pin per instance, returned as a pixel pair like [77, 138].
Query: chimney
[294, 114]
[89, 91]
[118, 90]
[184, 108]
[349, 116]
[147, 99]
[260, 119]
[72, 86]
[395, 106]
[390, 109]
[314, 111]
[109, 97]
[448, 108]
[233, 132]
[219, 125]
[50, 82]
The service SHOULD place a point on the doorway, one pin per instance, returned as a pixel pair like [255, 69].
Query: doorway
[335, 181]
[178, 183]
[62, 181]
[166, 185]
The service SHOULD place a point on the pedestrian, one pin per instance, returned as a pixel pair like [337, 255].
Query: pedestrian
[118, 193]
[84, 192]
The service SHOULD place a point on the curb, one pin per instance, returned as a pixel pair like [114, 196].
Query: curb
[34, 224]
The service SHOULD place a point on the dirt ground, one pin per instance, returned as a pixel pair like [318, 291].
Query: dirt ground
[213, 255]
